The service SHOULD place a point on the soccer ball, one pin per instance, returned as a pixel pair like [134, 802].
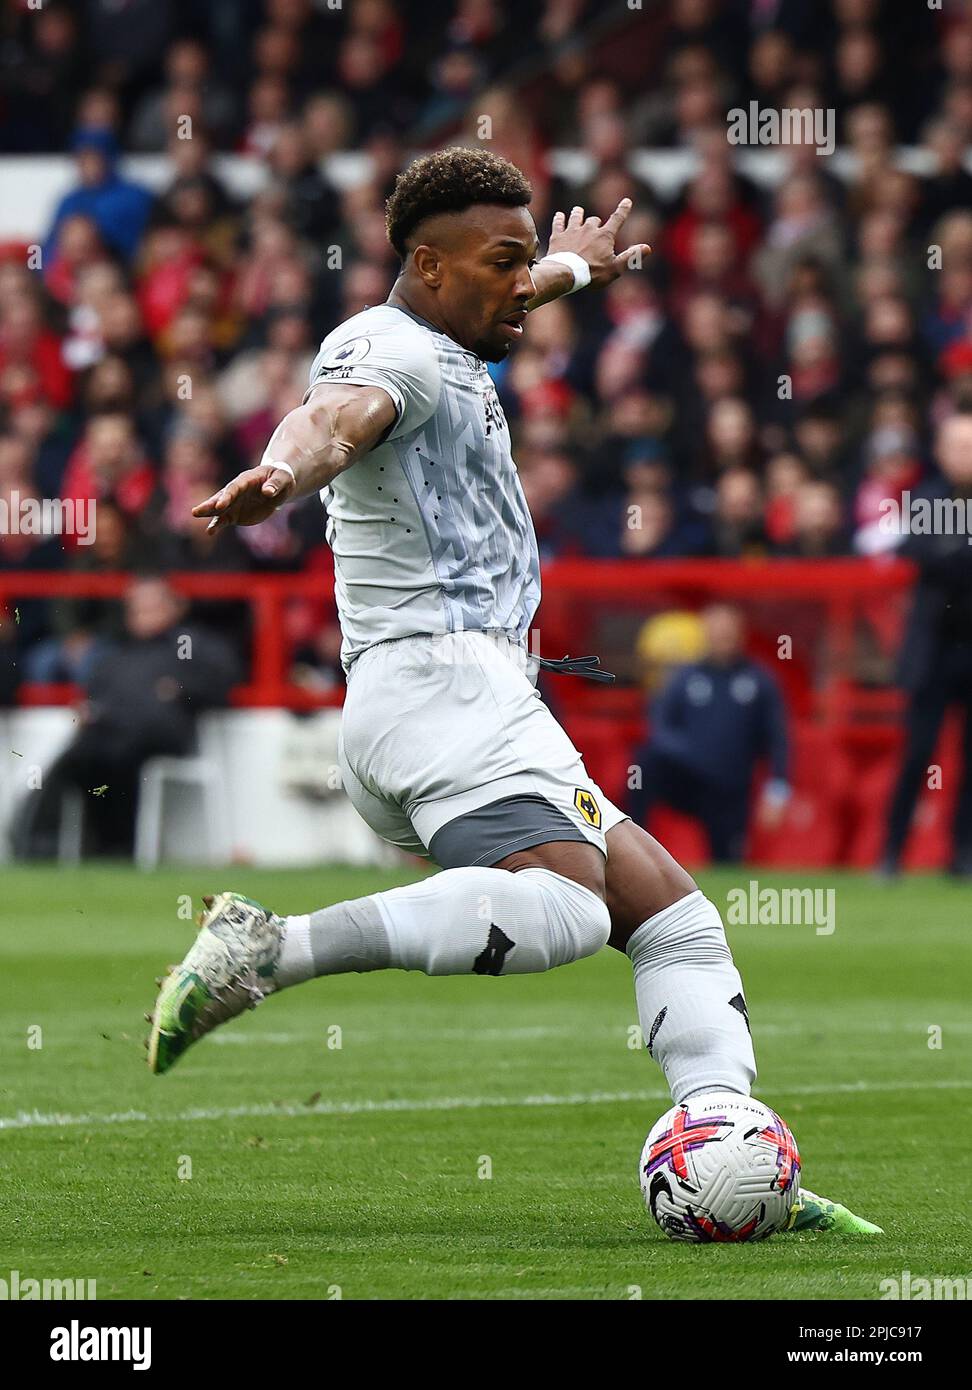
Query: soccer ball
[720, 1167]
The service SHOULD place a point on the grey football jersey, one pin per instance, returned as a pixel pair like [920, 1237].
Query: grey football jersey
[430, 531]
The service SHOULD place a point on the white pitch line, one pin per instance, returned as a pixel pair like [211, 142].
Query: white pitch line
[252, 1038]
[36, 1119]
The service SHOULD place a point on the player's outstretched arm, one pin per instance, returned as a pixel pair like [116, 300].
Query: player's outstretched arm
[594, 242]
[337, 424]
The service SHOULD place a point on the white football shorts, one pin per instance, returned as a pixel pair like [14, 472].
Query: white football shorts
[447, 750]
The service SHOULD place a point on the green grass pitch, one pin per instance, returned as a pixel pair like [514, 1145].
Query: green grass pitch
[468, 1138]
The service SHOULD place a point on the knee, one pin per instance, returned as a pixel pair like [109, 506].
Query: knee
[689, 933]
[592, 926]
[579, 917]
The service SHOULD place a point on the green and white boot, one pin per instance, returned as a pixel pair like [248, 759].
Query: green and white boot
[813, 1213]
[228, 969]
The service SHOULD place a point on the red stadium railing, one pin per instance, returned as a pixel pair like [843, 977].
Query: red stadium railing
[842, 588]
[267, 595]
[846, 596]
[845, 618]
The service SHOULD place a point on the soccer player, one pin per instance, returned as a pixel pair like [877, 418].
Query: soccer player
[447, 749]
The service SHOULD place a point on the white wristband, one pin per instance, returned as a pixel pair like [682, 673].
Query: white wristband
[580, 268]
[275, 463]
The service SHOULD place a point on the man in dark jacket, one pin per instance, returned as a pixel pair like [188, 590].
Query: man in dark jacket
[710, 726]
[143, 698]
[935, 665]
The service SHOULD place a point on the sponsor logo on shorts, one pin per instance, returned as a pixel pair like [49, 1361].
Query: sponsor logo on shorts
[588, 807]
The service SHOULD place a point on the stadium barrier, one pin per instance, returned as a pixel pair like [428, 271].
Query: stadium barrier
[35, 184]
[828, 629]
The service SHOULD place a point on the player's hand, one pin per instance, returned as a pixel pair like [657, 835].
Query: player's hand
[595, 241]
[250, 498]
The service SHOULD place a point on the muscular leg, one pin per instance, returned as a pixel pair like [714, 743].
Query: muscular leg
[544, 908]
[535, 909]
[642, 878]
[583, 863]
[690, 998]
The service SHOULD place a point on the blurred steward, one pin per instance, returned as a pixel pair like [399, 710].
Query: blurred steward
[712, 723]
[143, 697]
[935, 666]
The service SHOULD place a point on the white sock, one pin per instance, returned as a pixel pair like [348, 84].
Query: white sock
[296, 962]
[690, 1000]
[458, 922]
[334, 941]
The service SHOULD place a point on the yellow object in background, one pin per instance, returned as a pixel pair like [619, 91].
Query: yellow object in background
[665, 641]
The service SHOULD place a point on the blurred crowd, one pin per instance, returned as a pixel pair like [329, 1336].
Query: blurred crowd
[775, 371]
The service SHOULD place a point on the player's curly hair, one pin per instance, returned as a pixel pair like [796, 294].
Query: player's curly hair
[450, 181]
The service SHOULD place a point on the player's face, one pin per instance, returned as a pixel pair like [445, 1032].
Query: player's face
[485, 278]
